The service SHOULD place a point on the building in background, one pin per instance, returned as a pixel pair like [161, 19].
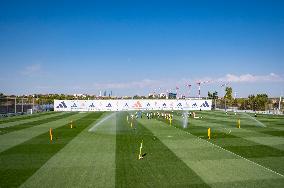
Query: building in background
[172, 96]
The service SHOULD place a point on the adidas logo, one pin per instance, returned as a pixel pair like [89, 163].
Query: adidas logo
[62, 105]
[74, 105]
[148, 104]
[164, 104]
[194, 105]
[109, 105]
[137, 105]
[179, 104]
[205, 104]
[126, 105]
[92, 105]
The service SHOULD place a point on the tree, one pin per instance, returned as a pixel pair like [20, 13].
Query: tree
[261, 101]
[243, 103]
[251, 102]
[151, 97]
[136, 97]
[258, 102]
[210, 95]
[213, 95]
[228, 96]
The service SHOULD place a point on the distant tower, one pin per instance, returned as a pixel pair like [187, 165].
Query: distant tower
[177, 88]
[199, 88]
[189, 86]
[100, 93]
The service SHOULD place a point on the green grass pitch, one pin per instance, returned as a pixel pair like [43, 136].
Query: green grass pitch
[102, 149]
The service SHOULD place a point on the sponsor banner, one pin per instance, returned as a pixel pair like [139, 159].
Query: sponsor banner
[131, 104]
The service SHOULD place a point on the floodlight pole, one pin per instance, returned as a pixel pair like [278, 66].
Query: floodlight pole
[33, 102]
[22, 105]
[279, 105]
[189, 86]
[7, 105]
[15, 105]
[199, 88]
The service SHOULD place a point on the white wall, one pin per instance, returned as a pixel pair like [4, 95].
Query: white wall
[131, 104]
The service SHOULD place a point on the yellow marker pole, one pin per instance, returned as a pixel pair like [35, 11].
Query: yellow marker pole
[50, 134]
[171, 120]
[71, 125]
[131, 124]
[239, 123]
[209, 133]
[140, 152]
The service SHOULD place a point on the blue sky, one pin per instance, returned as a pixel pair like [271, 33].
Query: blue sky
[135, 47]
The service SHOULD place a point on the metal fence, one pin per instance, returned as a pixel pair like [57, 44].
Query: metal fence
[19, 105]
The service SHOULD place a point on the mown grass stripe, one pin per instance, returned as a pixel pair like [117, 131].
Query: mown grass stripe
[160, 166]
[33, 123]
[23, 117]
[247, 123]
[253, 151]
[4, 125]
[17, 137]
[278, 133]
[250, 183]
[22, 161]
[210, 162]
[87, 161]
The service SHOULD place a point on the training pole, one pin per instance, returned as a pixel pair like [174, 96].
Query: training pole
[239, 123]
[209, 133]
[140, 152]
[50, 134]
